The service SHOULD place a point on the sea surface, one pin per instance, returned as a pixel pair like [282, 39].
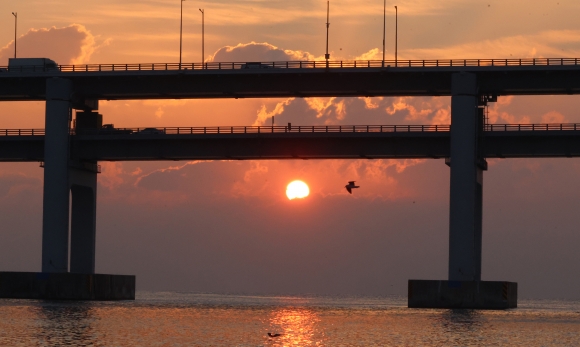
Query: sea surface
[184, 319]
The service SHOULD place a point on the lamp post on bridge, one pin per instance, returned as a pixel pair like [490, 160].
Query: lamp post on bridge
[327, 55]
[202, 37]
[384, 28]
[396, 32]
[180, 32]
[15, 14]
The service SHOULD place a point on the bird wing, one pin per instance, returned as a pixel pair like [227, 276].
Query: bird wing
[351, 183]
[348, 188]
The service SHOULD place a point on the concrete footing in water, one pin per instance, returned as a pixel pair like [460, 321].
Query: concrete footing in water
[487, 295]
[66, 286]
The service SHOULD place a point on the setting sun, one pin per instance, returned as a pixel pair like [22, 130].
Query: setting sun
[297, 189]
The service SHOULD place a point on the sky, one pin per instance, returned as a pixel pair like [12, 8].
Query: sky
[227, 227]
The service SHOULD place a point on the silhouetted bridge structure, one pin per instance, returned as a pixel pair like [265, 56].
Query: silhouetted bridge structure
[71, 158]
[547, 76]
[293, 142]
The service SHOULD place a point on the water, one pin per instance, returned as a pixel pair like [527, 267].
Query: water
[177, 319]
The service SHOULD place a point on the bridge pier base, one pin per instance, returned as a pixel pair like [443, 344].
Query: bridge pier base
[66, 286]
[484, 295]
[464, 289]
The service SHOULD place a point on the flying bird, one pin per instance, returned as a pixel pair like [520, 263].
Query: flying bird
[274, 334]
[350, 186]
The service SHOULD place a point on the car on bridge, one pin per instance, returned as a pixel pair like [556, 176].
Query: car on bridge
[109, 129]
[150, 131]
[257, 65]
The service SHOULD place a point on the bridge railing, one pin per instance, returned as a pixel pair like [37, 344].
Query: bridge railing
[297, 129]
[533, 127]
[318, 64]
[273, 129]
[21, 132]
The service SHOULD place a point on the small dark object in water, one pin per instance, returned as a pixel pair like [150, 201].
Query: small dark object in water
[274, 335]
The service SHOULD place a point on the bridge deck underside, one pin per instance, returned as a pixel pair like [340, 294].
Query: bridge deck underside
[537, 144]
[261, 83]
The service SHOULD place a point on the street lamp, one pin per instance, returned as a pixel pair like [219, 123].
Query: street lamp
[327, 56]
[180, 32]
[202, 37]
[396, 32]
[384, 28]
[15, 14]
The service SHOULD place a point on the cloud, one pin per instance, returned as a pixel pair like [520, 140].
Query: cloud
[244, 52]
[14, 183]
[224, 180]
[111, 175]
[547, 44]
[369, 102]
[373, 54]
[333, 110]
[322, 106]
[68, 45]
[361, 111]
[264, 114]
[554, 117]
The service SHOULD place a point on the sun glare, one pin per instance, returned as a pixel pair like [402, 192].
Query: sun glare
[297, 190]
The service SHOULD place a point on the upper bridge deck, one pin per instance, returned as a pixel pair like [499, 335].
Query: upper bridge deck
[541, 76]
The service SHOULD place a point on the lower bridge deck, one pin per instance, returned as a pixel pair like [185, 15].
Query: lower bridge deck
[293, 142]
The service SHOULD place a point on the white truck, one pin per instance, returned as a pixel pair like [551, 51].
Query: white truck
[31, 65]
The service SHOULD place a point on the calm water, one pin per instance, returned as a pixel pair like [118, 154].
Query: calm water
[175, 319]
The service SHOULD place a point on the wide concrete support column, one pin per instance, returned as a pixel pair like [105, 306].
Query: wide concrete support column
[464, 288]
[83, 220]
[55, 217]
[465, 219]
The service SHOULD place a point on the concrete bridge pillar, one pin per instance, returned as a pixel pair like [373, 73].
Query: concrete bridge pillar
[465, 210]
[83, 187]
[464, 288]
[55, 217]
[63, 178]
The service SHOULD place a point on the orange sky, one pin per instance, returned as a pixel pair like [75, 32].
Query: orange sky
[220, 226]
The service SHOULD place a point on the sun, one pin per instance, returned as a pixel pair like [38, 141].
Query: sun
[297, 189]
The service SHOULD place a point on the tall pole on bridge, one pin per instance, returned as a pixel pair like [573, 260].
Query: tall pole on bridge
[180, 32]
[15, 14]
[384, 28]
[396, 33]
[202, 37]
[327, 56]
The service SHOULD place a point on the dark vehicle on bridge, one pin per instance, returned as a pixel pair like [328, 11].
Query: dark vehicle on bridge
[109, 129]
[257, 65]
[32, 64]
[150, 131]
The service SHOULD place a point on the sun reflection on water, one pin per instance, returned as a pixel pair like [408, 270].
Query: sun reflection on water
[176, 319]
[297, 326]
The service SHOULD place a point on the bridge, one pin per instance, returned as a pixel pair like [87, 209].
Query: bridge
[293, 142]
[70, 156]
[549, 76]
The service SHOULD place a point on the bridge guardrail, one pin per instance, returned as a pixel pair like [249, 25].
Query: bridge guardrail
[297, 129]
[318, 64]
[21, 132]
[533, 127]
